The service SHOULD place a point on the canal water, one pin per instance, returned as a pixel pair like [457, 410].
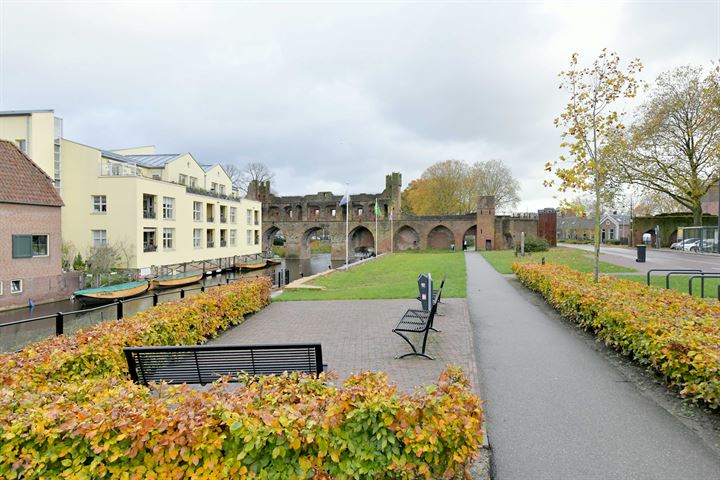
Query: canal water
[15, 337]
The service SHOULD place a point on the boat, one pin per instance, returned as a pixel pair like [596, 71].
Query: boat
[121, 291]
[177, 280]
[252, 264]
[274, 260]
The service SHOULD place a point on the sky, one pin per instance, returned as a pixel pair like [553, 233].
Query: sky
[329, 94]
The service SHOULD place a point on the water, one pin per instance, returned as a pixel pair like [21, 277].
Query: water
[15, 337]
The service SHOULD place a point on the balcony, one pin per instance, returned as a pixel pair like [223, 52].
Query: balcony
[223, 219]
[210, 219]
[223, 243]
[210, 244]
[149, 214]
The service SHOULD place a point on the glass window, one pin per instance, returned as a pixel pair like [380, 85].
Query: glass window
[210, 238]
[168, 206]
[257, 217]
[99, 238]
[233, 215]
[249, 217]
[257, 237]
[221, 189]
[197, 237]
[249, 237]
[15, 286]
[22, 145]
[197, 211]
[233, 237]
[99, 203]
[39, 245]
[182, 179]
[213, 187]
[168, 238]
[193, 182]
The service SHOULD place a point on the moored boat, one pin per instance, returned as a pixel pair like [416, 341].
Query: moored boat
[252, 264]
[274, 260]
[177, 280]
[121, 291]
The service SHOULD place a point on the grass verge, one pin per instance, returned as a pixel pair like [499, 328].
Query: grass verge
[579, 260]
[391, 276]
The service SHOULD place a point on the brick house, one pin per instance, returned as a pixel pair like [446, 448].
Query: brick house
[30, 240]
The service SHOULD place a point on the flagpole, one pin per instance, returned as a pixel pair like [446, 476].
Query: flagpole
[376, 227]
[347, 231]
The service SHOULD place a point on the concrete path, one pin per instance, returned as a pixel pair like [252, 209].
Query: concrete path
[557, 409]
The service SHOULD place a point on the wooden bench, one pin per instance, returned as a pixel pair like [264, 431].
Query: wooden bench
[206, 363]
[420, 322]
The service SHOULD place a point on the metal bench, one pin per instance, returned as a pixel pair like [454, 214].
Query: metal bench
[420, 322]
[206, 363]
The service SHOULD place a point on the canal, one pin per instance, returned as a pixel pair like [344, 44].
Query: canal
[15, 337]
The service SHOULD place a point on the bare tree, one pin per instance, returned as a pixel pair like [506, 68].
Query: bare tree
[494, 178]
[241, 177]
[674, 147]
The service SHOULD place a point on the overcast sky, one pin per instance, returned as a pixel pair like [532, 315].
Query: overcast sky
[328, 93]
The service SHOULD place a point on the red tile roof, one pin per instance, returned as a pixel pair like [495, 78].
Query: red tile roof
[22, 181]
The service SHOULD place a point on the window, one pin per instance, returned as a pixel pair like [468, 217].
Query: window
[257, 237]
[197, 237]
[168, 235]
[197, 211]
[27, 246]
[213, 187]
[249, 217]
[223, 214]
[360, 212]
[210, 238]
[99, 203]
[182, 179]
[39, 245]
[333, 212]
[223, 238]
[257, 217]
[99, 238]
[168, 206]
[22, 145]
[15, 286]
[233, 239]
[221, 189]
[193, 182]
[249, 237]
[149, 243]
[233, 215]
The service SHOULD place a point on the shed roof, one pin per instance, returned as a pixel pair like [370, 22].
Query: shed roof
[22, 181]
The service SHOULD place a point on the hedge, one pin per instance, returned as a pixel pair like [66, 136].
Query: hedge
[677, 334]
[68, 410]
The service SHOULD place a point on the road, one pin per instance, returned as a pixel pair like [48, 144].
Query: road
[559, 409]
[654, 258]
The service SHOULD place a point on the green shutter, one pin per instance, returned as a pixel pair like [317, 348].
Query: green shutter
[22, 246]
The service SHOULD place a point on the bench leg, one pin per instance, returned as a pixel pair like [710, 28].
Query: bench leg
[416, 354]
[414, 350]
[435, 329]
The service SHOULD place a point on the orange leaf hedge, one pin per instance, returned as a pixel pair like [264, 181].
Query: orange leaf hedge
[678, 334]
[67, 410]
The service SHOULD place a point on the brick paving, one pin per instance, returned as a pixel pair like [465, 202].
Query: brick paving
[356, 335]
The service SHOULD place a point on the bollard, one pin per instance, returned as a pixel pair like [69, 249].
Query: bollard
[543, 260]
[202, 289]
[155, 299]
[59, 322]
[287, 276]
[119, 309]
[301, 275]
[182, 293]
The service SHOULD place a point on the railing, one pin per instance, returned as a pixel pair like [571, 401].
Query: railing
[210, 219]
[149, 214]
[150, 248]
[223, 219]
[210, 244]
[17, 335]
[223, 243]
[117, 169]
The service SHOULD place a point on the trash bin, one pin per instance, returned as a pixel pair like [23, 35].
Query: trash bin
[641, 252]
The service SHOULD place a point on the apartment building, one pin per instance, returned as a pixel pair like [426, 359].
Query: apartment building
[160, 209]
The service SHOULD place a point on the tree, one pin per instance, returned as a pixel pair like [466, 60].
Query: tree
[651, 202]
[241, 177]
[589, 123]
[452, 187]
[674, 146]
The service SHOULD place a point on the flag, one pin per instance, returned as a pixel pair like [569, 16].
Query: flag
[378, 213]
[344, 200]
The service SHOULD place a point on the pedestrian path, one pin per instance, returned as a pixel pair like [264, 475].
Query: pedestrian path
[557, 409]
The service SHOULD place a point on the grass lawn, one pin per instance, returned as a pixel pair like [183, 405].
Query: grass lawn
[391, 276]
[679, 283]
[502, 260]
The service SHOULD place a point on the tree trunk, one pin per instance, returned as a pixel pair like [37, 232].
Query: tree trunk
[596, 262]
[697, 215]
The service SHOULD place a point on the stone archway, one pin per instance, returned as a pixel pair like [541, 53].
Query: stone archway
[311, 234]
[441, 238]
[270, 236]
[470, 238]
[362, 241]
[407, 238]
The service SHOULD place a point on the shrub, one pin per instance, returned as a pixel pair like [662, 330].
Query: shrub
[67, 410]
[677, 334]
[536, 244]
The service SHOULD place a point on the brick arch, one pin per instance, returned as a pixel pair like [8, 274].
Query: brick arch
[440, 237]
[406, 238]
[361, 240]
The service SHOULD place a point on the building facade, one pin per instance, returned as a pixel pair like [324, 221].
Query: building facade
[30, 233]
[156, 209]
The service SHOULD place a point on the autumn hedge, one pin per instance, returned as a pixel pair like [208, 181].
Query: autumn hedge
[67, 410]
[677, 334]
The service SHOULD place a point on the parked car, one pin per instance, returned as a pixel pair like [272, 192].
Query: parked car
[693, 246]
[679, 244]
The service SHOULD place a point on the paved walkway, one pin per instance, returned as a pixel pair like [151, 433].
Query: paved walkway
[356, 335]
[557, 409]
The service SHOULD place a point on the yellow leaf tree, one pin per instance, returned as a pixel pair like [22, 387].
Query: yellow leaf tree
[590, 121]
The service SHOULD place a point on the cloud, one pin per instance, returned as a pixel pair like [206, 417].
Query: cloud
[329, 93]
